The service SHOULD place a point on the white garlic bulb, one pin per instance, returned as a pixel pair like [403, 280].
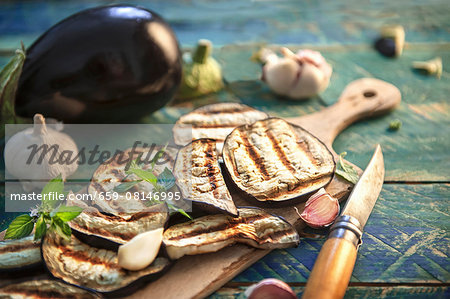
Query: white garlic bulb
[297, 76]
[34, 167]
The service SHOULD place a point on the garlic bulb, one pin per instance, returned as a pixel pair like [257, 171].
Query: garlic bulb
[38, 154]
[297, 76]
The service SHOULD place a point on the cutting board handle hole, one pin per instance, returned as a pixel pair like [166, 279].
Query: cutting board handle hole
[369, 93]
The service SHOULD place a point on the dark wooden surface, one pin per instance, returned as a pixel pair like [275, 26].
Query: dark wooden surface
[406, 245]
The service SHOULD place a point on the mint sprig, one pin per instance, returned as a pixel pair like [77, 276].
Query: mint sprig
[48, 216]
[345, 170]
[161, 183]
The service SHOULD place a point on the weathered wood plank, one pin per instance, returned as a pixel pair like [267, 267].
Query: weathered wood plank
[417, 152]
[369, 292]
[237, 21]
[407, 239]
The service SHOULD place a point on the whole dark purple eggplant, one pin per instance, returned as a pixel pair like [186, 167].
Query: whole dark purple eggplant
[105, 64]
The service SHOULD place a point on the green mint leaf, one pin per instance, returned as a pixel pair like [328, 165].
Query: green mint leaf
[145, 175]
[55, 185]
[176, 209]
[395, 125]
[41, 228]
[133, 165]
[20, 227]
[157, 156]
[125, 186]
[166, 179]
[346, 171]
[61, 228]
[67, 213]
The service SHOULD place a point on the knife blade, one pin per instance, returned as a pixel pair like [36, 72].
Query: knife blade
[334, 265]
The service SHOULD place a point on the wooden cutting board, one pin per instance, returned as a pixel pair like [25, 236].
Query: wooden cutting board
[199, 276]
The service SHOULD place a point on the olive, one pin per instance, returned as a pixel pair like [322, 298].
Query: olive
[386, 46]
[106, 64]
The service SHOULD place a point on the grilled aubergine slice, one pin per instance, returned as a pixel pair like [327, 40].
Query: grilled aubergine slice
[112, 173]
[274, 161]
[211, 233]
[109, 231]
[20, 256]
[199, 177]
[214, 121]
[45, 288]
[95, 269]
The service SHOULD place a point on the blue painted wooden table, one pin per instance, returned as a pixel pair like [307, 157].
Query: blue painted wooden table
[407, 241]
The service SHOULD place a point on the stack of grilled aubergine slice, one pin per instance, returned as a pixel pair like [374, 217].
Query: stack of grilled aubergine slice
[220, 147]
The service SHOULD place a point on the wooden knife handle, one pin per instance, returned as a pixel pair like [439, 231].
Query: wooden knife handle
[332, 270]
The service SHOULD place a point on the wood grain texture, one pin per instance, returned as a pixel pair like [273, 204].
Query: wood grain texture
[332, 270]
[286, 22]
[417, 152]
[368, 292]
[406, 240]
[205, 275]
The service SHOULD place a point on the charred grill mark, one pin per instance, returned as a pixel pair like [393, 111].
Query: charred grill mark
[83, 257]
[210, 160]
[254, 155]
[20, 247]
[279, 151]
[107, 233]
[304, 147]
[229, 224]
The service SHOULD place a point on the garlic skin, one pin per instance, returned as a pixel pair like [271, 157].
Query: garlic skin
[140, 251]
[297, 76]
[321, 210]
[34, 176]
[270, 288]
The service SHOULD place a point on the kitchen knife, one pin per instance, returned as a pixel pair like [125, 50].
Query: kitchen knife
[334, 265]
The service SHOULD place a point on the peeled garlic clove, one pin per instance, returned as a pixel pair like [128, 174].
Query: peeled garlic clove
[270, 289]
[140, 251]
[321, 210]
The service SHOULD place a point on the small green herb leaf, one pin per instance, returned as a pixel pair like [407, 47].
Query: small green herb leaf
[55, 185]
[145, 175]
[125, 186]
[157, 156]
[395, 125]
[166, 179]
[62, 228]
[346, 170]
[41, 228]
[67, 213]
[181, 211]
[20, 227]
